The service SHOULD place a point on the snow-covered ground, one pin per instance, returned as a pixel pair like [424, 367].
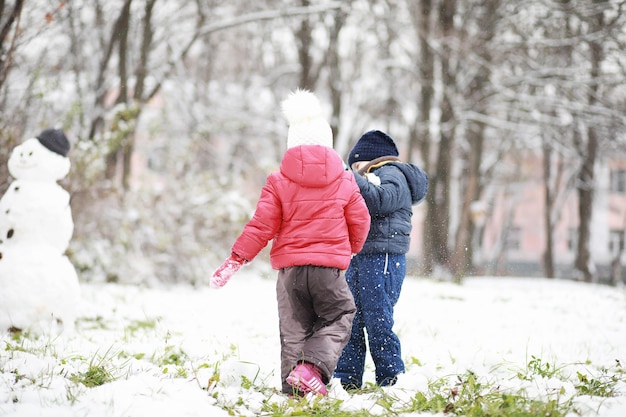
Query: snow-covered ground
[161, 348]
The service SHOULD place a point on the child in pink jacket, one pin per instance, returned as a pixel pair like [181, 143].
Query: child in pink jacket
[313, 212]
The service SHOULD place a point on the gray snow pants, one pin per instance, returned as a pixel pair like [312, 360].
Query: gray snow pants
[315, 313]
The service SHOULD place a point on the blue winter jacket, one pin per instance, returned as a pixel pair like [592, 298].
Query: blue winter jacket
[402, 185]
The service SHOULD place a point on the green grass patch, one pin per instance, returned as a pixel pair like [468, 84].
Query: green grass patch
[464, 395]
[101, 369]
[536, 388]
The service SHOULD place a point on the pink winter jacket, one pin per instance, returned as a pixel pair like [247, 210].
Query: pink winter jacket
[312, 209]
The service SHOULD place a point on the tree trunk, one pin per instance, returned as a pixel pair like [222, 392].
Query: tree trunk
[616, 267]
[97, 122]
[420, 137]
[146, 42]
[6, 27]
[585, 209]
[305, 41]
[586, 178]
[548, 256]
[334, 70]
[120, 34]
[477, 91]
[438, 215]
[138, 99]
[463, 255]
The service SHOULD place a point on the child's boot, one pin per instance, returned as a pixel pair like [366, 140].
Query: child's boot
[307, 377]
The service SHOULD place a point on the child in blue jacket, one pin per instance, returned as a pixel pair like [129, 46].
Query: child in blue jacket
[375, 275]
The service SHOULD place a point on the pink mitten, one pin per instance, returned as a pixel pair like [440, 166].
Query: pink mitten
[226, 270]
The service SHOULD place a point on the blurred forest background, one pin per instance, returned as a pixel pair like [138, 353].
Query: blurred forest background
[172, 108]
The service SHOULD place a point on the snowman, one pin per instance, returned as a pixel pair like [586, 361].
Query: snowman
[39, 289]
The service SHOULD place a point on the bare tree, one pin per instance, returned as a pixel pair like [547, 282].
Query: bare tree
[589, 154]
[9, 30]
[475, 87]
[335, 83]
[420, 137]
[438, 198]
[7, 41]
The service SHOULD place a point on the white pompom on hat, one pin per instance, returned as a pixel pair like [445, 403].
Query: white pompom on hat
[307, 125]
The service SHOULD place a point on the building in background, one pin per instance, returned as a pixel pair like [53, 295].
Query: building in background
[510, 235]
[513, 241]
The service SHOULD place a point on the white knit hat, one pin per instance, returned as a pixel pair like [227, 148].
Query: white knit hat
[307, 125]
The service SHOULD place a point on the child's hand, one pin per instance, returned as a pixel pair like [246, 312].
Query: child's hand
[223, 274]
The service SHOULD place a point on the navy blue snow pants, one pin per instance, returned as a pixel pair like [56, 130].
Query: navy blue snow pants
[375, 281]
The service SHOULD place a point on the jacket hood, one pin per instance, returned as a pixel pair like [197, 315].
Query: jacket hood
[312, 165]
[416, 178]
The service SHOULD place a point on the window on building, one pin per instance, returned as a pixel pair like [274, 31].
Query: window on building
[514, 239]
[616, 241]
[618, 181]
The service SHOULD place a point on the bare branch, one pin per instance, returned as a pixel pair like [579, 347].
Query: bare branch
[268, 15]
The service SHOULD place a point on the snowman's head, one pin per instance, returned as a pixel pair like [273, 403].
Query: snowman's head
[32, 161]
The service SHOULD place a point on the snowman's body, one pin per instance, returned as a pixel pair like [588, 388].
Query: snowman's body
[39, 287]
[36, 212]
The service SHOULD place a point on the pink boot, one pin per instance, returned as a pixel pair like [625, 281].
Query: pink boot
[307, 377]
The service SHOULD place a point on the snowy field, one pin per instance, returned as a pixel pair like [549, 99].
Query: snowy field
[184, 351]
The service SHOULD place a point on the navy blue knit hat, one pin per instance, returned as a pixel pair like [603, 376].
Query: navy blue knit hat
[55, 140]
[372, 145]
